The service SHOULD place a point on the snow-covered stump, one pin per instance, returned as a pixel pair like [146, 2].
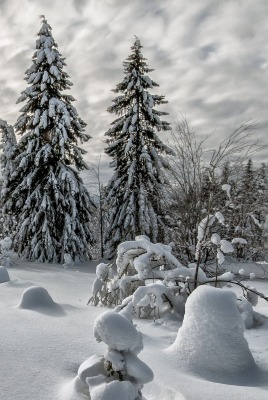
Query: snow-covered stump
[211, 338]
[118, 374]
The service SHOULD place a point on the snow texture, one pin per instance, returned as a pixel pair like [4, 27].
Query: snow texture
[4, 275]
[108, 327]
[203, 225]
[137, 369]
[226, 246]
[34, 297]
[113, 390]
[227, 189]
[239, 241]
[249, 316]
[211, 337]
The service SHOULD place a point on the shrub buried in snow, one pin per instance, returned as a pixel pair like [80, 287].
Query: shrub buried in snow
[211, 337]
[118, 374]
[153, 280]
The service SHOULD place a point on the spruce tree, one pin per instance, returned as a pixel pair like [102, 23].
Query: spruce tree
[250, 209]
[45, 193]
[8, 146]
[136, 191]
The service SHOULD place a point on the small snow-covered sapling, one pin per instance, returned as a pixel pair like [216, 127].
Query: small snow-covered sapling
[118, 374]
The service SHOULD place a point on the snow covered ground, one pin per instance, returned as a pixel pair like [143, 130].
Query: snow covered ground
[42, 343]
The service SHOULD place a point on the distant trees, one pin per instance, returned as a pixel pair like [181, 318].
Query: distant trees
[136, 191]
[163, 192]
[8, 146]
[203, 183]
[45, 193]
[250, 210]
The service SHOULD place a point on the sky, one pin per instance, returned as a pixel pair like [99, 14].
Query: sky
[209, 57]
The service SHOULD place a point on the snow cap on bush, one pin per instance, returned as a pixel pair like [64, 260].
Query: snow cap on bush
[211, 337]
[108, 328]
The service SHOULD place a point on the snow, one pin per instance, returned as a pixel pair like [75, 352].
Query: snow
[227, 189]
[203, 225]
[239, 241]
[4, 275]
[211, 337]
[215, 238]
[35, 297]
[219, 217]
[109, 325]
[112, 390]
[226, 246]
[137, 369]
[220, 257]
[45, 350]
[6, 243]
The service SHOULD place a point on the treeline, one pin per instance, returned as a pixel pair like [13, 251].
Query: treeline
[159, 190]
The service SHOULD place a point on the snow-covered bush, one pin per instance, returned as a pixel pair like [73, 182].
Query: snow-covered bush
[211, 338]
[149, 277]
[118, 374]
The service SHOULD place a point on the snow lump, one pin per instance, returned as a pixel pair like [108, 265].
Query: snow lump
[34, 297]
[4, 276]
[211, 338]
[108, 328]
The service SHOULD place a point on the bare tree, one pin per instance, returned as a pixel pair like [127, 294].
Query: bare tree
[99, 217]
[191, 163]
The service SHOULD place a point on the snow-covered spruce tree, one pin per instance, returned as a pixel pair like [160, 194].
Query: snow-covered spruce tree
[250, 210]
[46, 195]
[8, 146]
[136, 191]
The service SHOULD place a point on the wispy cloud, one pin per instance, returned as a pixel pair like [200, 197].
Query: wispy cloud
[210, 57]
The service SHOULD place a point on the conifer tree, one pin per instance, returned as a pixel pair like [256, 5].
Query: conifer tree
[8, 146]
[136, 191]
[45, 193]
[250, 209]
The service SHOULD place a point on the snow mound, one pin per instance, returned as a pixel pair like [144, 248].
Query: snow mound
[211, 338]
[112, 390]
[108, 328]
[4, 276]
[35, 297]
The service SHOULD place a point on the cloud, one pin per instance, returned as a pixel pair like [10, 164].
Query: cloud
[210, 57]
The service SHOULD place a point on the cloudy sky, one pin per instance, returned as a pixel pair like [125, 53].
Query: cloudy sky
[210, 58]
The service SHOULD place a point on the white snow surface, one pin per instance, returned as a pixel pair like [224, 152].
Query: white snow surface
[42, 351]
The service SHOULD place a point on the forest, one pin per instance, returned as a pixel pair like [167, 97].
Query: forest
[177, 239]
